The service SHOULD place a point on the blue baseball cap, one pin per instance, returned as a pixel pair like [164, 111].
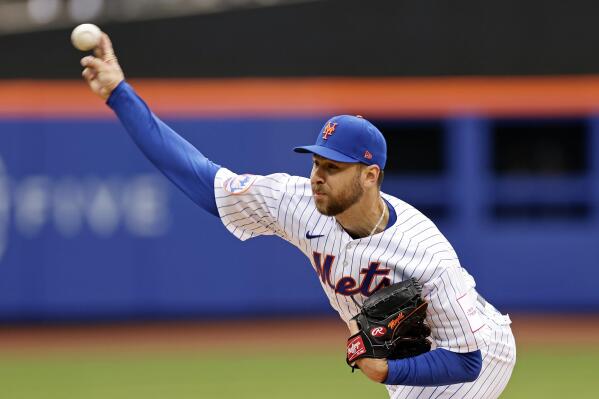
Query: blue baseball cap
[348, 138]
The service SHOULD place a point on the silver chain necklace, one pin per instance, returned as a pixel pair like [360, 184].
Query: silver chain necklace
[380, 219]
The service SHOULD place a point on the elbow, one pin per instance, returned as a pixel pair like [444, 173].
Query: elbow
[473, 365]
[472, 376]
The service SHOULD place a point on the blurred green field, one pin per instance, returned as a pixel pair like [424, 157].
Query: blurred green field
[539, 374]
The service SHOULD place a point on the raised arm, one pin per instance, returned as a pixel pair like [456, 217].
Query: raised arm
[180, 161]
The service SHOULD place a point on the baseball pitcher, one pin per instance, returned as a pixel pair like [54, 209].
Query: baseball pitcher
[416, 321]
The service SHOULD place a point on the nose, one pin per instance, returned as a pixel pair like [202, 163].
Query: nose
[317, 176]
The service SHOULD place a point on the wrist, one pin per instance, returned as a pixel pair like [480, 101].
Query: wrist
[375, 369]
[115, 91]
[107, 90]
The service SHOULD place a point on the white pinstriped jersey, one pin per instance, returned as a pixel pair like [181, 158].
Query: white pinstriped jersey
[282, 205]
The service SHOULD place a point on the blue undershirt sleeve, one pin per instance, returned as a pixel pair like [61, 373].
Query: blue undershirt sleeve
[434, 368]
[180, 161]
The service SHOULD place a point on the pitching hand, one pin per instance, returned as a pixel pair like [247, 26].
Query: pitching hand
[102, 72]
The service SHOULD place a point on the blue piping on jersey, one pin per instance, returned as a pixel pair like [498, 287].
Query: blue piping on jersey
[392, 214]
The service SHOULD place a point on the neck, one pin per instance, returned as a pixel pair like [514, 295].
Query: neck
[361, 218]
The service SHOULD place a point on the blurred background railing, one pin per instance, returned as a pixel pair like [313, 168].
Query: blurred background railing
[19, 16]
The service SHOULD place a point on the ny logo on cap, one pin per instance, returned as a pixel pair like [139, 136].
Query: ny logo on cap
[328, 130]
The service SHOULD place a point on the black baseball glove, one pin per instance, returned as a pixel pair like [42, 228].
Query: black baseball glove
[391, 324]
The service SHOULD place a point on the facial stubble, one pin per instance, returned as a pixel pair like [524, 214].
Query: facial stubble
[344, 200]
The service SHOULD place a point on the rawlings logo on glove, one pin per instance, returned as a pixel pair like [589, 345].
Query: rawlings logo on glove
[355, 348]
[378, 331]
[391, 324]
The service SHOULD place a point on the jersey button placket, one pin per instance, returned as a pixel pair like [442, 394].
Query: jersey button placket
[348, 247]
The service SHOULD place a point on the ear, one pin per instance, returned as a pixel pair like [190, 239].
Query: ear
[370, 175]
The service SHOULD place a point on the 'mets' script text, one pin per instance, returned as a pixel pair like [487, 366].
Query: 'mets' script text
[347, 285]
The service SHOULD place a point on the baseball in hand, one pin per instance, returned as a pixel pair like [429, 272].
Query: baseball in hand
[86, 37]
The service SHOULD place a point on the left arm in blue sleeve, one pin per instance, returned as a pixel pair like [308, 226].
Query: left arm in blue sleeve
[434, 368]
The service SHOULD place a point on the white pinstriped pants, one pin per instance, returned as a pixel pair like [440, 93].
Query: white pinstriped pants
[499, 359]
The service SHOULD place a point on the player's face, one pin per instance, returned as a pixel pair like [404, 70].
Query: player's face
[336, 186]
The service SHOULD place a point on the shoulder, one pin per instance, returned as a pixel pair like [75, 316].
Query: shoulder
[227, 183]
[426, 252]
[407, 215]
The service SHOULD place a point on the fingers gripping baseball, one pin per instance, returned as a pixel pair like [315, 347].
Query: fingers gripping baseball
[102, 72]
[105, 51]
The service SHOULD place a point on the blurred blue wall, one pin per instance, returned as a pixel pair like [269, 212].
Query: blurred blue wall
[89, 229]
